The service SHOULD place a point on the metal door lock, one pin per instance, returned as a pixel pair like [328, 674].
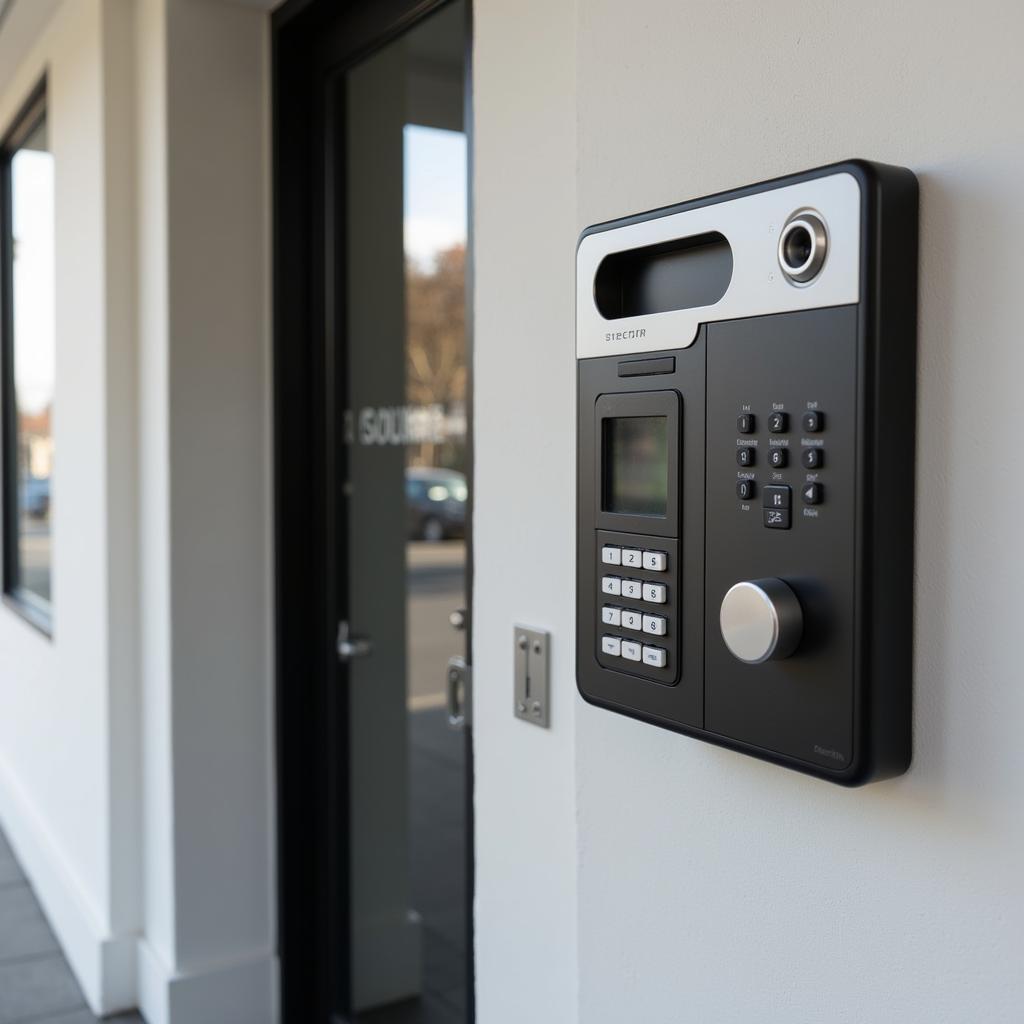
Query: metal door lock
[459, 692]
[531, 676]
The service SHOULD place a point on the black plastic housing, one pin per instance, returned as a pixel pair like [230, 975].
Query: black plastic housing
[840, 707]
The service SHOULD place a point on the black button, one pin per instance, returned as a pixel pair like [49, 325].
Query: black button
[778, 457]
[745, 423]
[811, 493]
[813, 422]
[813, 458]
[643, 367]
[745, 489]
[745, 456]
[776, 518]
[776, 497]
[778, 422]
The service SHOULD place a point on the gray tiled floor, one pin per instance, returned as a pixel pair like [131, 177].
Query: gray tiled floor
[36, 985]
[438, 809]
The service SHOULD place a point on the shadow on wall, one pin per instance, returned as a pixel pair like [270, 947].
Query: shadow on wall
[959, 641]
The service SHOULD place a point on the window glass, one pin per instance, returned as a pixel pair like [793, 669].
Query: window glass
[31, 363]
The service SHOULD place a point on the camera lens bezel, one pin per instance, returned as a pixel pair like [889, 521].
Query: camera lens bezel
[812, 225]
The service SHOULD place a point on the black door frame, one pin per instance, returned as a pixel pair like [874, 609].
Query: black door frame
[313, 40]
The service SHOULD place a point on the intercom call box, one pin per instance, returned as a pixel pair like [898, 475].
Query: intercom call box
[746, 387]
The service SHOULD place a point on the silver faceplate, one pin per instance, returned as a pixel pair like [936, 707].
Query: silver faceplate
[751, 224]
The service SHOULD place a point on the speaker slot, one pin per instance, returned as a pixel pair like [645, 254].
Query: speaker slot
[683, 273]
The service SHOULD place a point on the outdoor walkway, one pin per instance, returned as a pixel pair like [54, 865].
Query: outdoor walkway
[36, 985]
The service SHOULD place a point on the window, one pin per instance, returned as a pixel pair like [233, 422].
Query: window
[27, 329]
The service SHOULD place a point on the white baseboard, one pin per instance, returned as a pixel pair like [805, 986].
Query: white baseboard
[243, 992]
[121, 972]
[103, 963]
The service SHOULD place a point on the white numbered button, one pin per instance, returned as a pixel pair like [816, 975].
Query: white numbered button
[630, 650]
[632, 620]
[611, 585]
[611, 616]
[611, 555]
[632, 557]
[610, 645]
[633, 589]
[656, 561]
[654, 624]
[654, 656]
[655, 593]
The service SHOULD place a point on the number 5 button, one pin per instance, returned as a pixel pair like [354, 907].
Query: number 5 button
[655, 593]
[655, 561]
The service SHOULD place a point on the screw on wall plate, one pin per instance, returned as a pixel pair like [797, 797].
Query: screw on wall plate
[532, 702]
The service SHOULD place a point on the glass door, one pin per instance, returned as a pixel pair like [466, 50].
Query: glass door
[403, 518]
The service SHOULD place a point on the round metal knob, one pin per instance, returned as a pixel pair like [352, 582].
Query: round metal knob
[761, 620]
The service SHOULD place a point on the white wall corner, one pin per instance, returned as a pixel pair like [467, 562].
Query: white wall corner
[22, 22]
[102, 962]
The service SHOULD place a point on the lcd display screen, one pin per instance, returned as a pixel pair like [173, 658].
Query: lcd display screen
[636, 465]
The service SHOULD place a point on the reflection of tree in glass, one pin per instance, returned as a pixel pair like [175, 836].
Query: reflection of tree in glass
[435, 304]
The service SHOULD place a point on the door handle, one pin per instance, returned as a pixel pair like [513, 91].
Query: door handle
[459, 680]
[349, 646]
[457, 619]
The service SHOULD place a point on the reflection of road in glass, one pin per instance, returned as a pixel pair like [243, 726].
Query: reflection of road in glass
[34, 555]
[435, 583]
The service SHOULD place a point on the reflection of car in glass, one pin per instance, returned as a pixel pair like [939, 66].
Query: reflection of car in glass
[436, 500]
[35, 496]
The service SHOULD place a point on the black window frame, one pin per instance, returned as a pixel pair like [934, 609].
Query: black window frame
[35, 610]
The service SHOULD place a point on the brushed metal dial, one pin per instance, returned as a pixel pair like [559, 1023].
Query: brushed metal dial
[761, 620]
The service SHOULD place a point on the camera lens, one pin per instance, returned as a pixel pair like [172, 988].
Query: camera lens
[802, 247]
[798, 247]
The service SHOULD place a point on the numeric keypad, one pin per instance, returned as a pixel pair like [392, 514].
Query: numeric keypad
[643, 608]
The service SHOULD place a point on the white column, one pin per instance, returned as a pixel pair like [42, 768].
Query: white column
[203, 83]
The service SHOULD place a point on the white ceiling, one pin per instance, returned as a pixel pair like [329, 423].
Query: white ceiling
[21, 22]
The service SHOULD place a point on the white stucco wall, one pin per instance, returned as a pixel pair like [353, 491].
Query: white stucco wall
[623, 873]
[136, 746]
[524, 381]
[709, 886]
[67, 712]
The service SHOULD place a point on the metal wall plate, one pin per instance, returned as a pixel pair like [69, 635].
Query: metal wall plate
[531, 675]
[459, 692]
[751, 221]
